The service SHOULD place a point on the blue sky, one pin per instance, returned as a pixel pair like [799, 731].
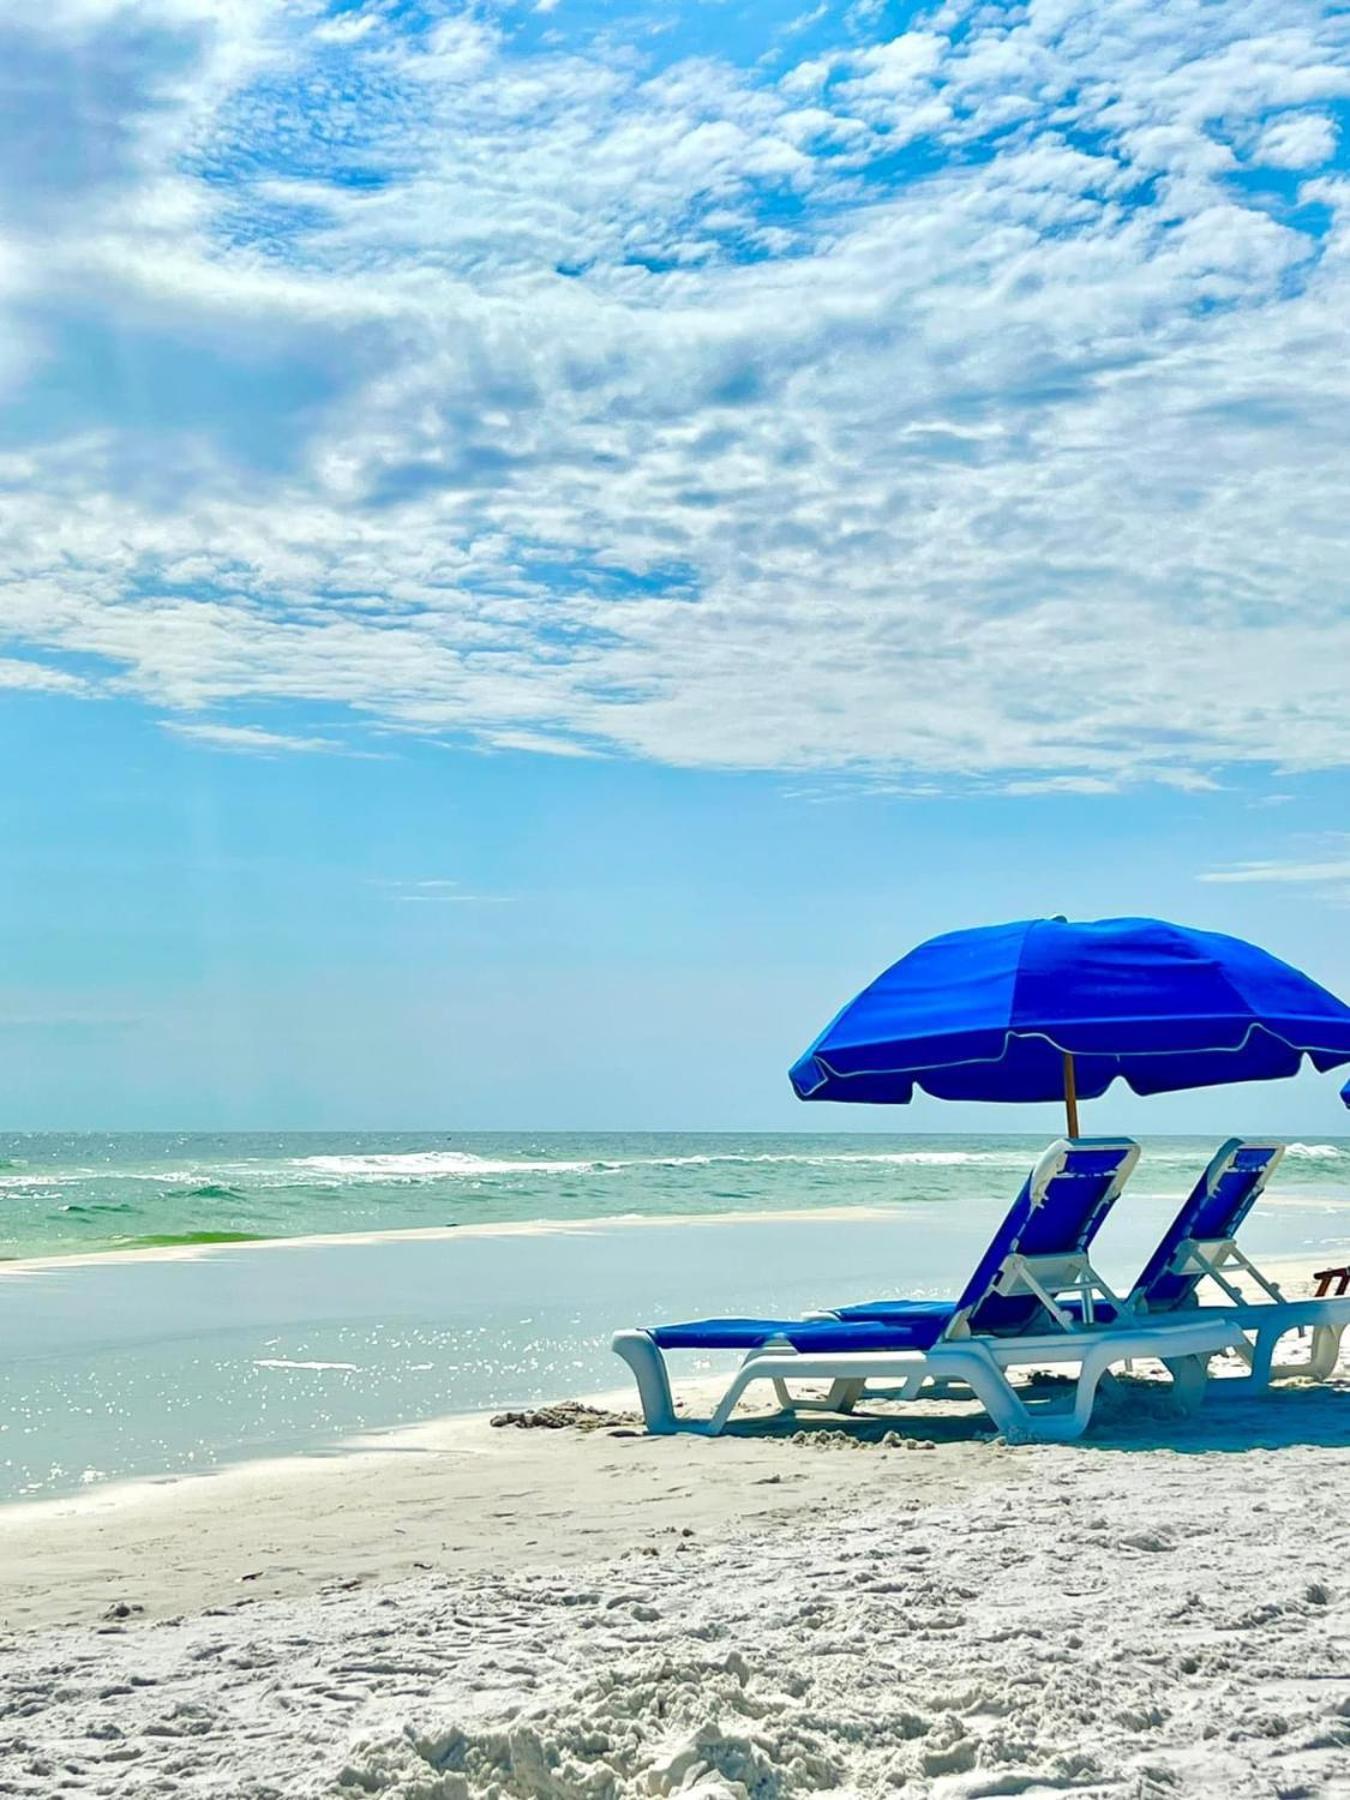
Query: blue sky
[540, 546]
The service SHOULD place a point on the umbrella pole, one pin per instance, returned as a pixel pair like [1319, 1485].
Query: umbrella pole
[1070, 1095]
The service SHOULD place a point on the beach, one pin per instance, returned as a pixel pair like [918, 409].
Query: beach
[457, 1608]
[675, 1025]
[182, 1356]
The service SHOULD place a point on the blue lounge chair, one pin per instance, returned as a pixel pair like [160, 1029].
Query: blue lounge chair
[1200, 1244]
[1037, 1268]
[1011, 1312]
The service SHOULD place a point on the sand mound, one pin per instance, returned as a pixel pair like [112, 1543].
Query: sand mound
[666, 1724]
[565, 1415]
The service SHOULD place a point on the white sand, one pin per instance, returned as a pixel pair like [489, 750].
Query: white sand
[454, 1496]
[1163, 1610]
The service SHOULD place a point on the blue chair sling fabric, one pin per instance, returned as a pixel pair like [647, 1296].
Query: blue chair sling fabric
[1062, 1204]
[1213, 1210]
[803, 1334]
[1058, 1216]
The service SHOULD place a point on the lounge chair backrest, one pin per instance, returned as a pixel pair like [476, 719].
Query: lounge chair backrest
[1062, 1205]
[1212, 1212]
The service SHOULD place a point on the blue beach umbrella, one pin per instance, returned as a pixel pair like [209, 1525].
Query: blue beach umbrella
[1045, 1009]
[1345, 1093]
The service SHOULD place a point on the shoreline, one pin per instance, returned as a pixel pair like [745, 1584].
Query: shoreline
[413, 1436]
[134, 1370]
[455, 1611]
[412, 1234]
[872, 1212]
[1157, 1610]
[363, 1479]
[454, 1492]
[534, 1228]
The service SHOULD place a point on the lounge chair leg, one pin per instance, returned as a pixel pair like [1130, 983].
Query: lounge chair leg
[993, 1390]
[947, 1387]
[731, 1399]
[1246, 1351]
[844, 1396]
[1190, 1378]
[653, 1381]
[1259, 1356]
[1262, 1359]
[1092, 1372]
[1026, 1426]
[1326, 1351]
[1321, 1360]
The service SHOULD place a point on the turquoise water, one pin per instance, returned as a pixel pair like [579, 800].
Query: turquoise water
[91, 1192]
[123, 1365]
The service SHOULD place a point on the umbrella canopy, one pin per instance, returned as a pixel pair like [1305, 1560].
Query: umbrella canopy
[1044, 1009]
[1345, 1093]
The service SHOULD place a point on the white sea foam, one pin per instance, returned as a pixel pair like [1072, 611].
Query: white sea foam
[464, 1163]
[58, 1178]
[422, 1165]
[418, 1165]
[50, 1178]
[829, 1159]
[284, 1362]
[306, 1187]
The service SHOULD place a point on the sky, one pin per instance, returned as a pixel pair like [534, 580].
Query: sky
[543, 545]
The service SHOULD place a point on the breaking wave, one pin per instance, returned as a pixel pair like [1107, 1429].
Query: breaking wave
[423, 1165]
[209, 1190]
[147, 1193]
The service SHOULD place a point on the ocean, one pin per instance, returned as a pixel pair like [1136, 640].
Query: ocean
[69, 1192]
[202, 1300]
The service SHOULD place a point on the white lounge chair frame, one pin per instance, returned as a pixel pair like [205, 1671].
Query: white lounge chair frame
[980, 1364]
[1263, 1322]
[1183, 1339]
[1267, 1321]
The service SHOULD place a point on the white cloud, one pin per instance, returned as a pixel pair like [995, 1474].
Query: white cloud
[459, 899]
[1335, 869]
[346, 28]
[1065, 784]
[251, 739]
[439, 890]
[38, 678]
[539, 743]
[1305, 141]
[584, 404]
